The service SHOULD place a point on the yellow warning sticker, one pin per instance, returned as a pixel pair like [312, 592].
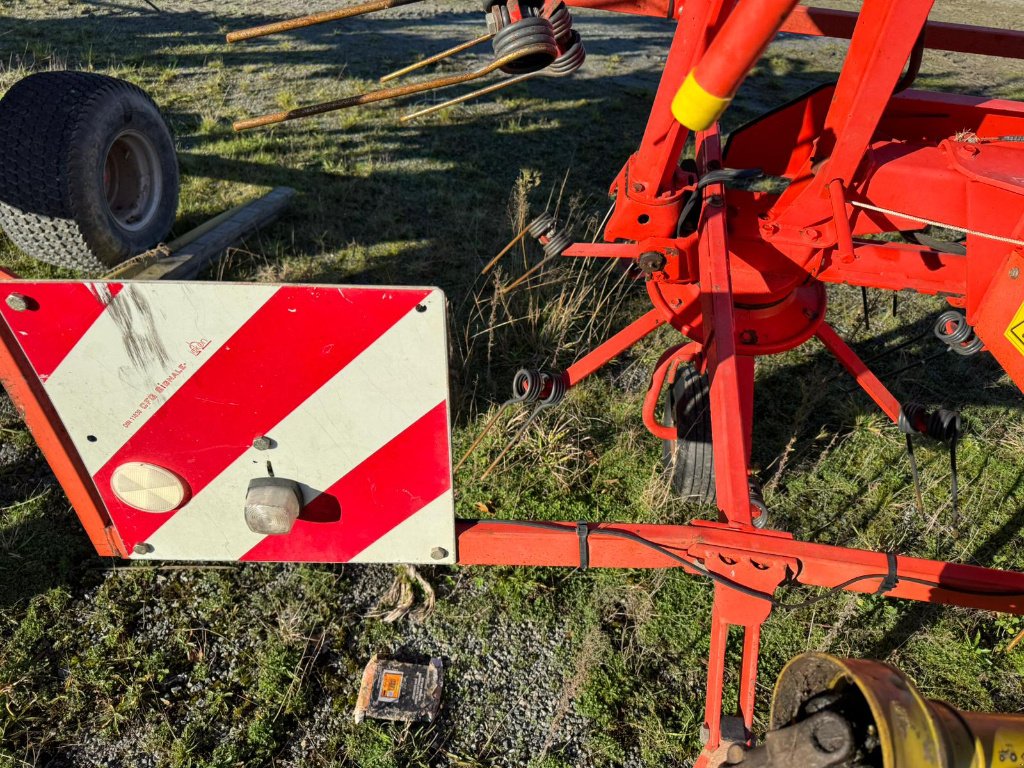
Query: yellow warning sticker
[390, 686]
[1015, 331]
[1008, 748]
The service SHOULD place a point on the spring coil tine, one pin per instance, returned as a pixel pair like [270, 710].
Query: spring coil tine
[561, 22]
[563, 66]
[526, 51]
[943, 425]
[552, 392]
[527, 386]
[953, 329]
[570, 60]
[543, 225]
[556, 244]
[528, 31]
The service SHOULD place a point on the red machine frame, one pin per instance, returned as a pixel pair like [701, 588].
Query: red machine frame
[749, 281]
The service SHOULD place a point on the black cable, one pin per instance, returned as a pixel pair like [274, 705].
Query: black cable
[741, 588]
[693, 565]
[721, 176]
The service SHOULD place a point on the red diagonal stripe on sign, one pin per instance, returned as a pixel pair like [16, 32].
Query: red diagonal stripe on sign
[59, 315]
[283, 354]
[384, 490]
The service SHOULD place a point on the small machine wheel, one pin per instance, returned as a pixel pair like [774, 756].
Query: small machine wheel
[88, 173]
[690, 459]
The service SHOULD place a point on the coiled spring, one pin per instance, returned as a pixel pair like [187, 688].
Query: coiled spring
[546, 226]
[512, 36]
[943, 425]
[953, 330]
[529, 385]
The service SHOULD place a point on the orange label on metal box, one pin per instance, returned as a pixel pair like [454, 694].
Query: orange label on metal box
[390, 686]
[1015, 331]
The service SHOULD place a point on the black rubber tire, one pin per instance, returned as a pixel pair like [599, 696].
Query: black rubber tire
[689, 460]
[63, 137]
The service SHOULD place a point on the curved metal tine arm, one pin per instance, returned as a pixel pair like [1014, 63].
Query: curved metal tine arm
[437, 57]
[468, 96]
[316, 18]
[388, 93]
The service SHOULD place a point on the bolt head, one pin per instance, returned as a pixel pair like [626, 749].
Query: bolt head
[17, 302]
[439, 553]
[770, 228]
[142, 548]
[969, 149]
[812, 234]
[1015, 273]
[638, 187]
[262, 443]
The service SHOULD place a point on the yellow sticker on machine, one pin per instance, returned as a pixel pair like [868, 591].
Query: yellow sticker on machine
[1015, 331]
[1008, 747]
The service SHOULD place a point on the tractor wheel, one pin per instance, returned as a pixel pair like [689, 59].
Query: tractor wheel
[88, 174]
[690, 459]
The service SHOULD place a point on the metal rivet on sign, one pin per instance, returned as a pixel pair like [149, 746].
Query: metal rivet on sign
[1015, 273]
[142, 548]
[439, 553]
[17, 302]
[421, 307]
[262, 443]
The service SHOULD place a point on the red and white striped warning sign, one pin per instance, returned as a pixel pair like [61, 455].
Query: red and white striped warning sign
[343, 390]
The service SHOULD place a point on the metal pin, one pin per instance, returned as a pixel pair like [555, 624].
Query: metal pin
[437, 57]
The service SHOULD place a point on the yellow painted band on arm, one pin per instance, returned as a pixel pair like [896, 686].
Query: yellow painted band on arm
[696, 108]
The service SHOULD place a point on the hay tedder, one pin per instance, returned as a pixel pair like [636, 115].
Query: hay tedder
[218, 421]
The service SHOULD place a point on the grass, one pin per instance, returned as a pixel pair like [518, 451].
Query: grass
[258, 665]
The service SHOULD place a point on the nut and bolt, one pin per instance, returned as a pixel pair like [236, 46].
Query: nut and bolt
[439, 553]
[17, 302]
[1015, 273]
[969, 149]
[812, 234]
[638, 187]
[142, 549]
[262, 443]
[770, 228]
[716, 201]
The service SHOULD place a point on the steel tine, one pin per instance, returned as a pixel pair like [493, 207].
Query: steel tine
[514, 440]
[437, 57]
[467, 96]
[480, 438]
[384, 94]
[512, 244]
[302, 22]
[526, 275]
